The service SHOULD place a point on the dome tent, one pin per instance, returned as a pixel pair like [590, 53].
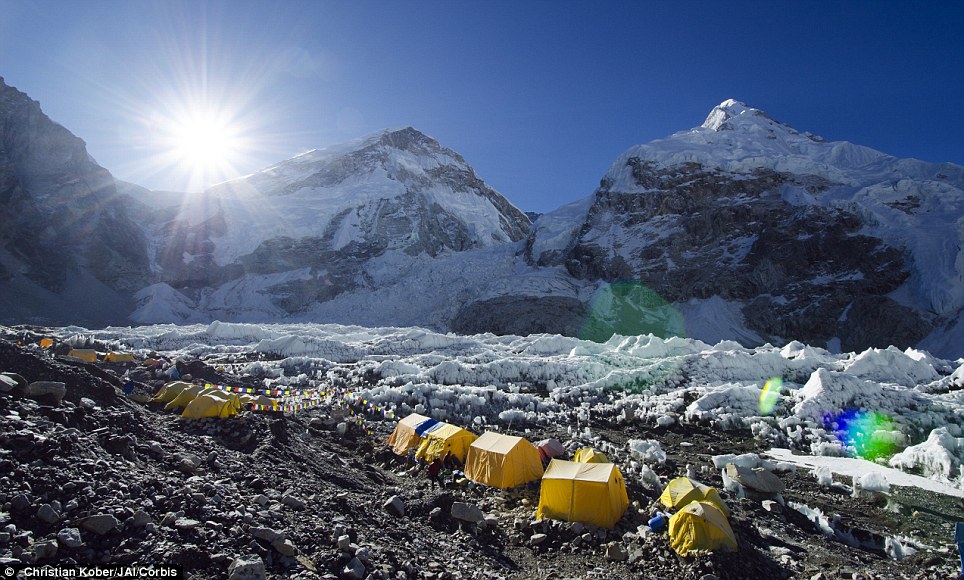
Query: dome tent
[591, 493]
[502, 461]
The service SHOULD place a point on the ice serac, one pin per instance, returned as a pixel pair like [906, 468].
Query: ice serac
[68, 249]
[825, 242]
[299, 233]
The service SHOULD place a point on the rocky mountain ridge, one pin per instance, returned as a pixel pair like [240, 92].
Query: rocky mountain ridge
[832, 242]
[69, 249]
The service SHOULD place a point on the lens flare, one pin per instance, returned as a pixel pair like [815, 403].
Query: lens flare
[869, 433]
[770, 395]
[628, 308]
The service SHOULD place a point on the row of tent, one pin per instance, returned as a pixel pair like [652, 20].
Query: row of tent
[90, 355]
[588, 489]
[199, 401]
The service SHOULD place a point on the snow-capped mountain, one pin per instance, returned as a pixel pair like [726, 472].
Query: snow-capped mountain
[297, 234]
[68, 249]
[770, 234]
[739, 229]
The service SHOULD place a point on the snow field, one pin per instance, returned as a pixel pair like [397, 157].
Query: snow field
[907, 403]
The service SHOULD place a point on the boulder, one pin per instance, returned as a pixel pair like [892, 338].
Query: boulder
[7, 383]
[344, 542]
[70, 538]
[467, 512]
[44, 550]
[285, 548]
[267, 534]
[49, 391]
[20, 502]
[616, 552]
[758, 480]
[186, 524]
[294, 503]
[395, 506]
[247, 568]
[47, 514]
[100, 524]
[354, 570]
[141, 518]
[537, 539]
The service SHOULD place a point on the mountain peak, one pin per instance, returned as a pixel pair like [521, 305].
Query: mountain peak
[729, 109]
[408, 139]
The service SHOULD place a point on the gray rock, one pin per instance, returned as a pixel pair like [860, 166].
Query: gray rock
[354, 570]
[100, 524]
[187, 462]
[294, 503]
[616, 552]
[759, 480]
[344, 542]
[7, 383]
[48, 514]
[285, 548]
[467, 512]
[53, 391]
[341, 429]
[261, 499]
[537, 539]
[186, 524]
[267, 534]
[70, 538]
[141, 518]
[395, 506]
[247, 568]
[44, 550]
[20, 502]
[771, 506]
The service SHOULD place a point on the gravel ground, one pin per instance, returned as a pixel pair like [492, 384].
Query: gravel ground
[97, 478]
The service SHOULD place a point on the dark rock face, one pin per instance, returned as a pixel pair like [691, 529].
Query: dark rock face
[522, 315]
[61, 212]
[805, 272]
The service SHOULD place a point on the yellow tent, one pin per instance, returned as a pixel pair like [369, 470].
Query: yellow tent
[502, 461]
[445, 439]
[589, 455]
[405, 438]
[212, 403]
[700, 527]
[84, 354]
[265, 400]
[186, 395]
[683, 490]
[591, 493]
[118, 357]
[169, 391]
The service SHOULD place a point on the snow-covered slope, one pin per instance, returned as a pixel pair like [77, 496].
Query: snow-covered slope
[297, 234]
[828, 242]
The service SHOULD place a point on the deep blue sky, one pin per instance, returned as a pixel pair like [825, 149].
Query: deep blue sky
[539, 97]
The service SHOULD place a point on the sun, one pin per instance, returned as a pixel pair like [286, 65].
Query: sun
[202, 145]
